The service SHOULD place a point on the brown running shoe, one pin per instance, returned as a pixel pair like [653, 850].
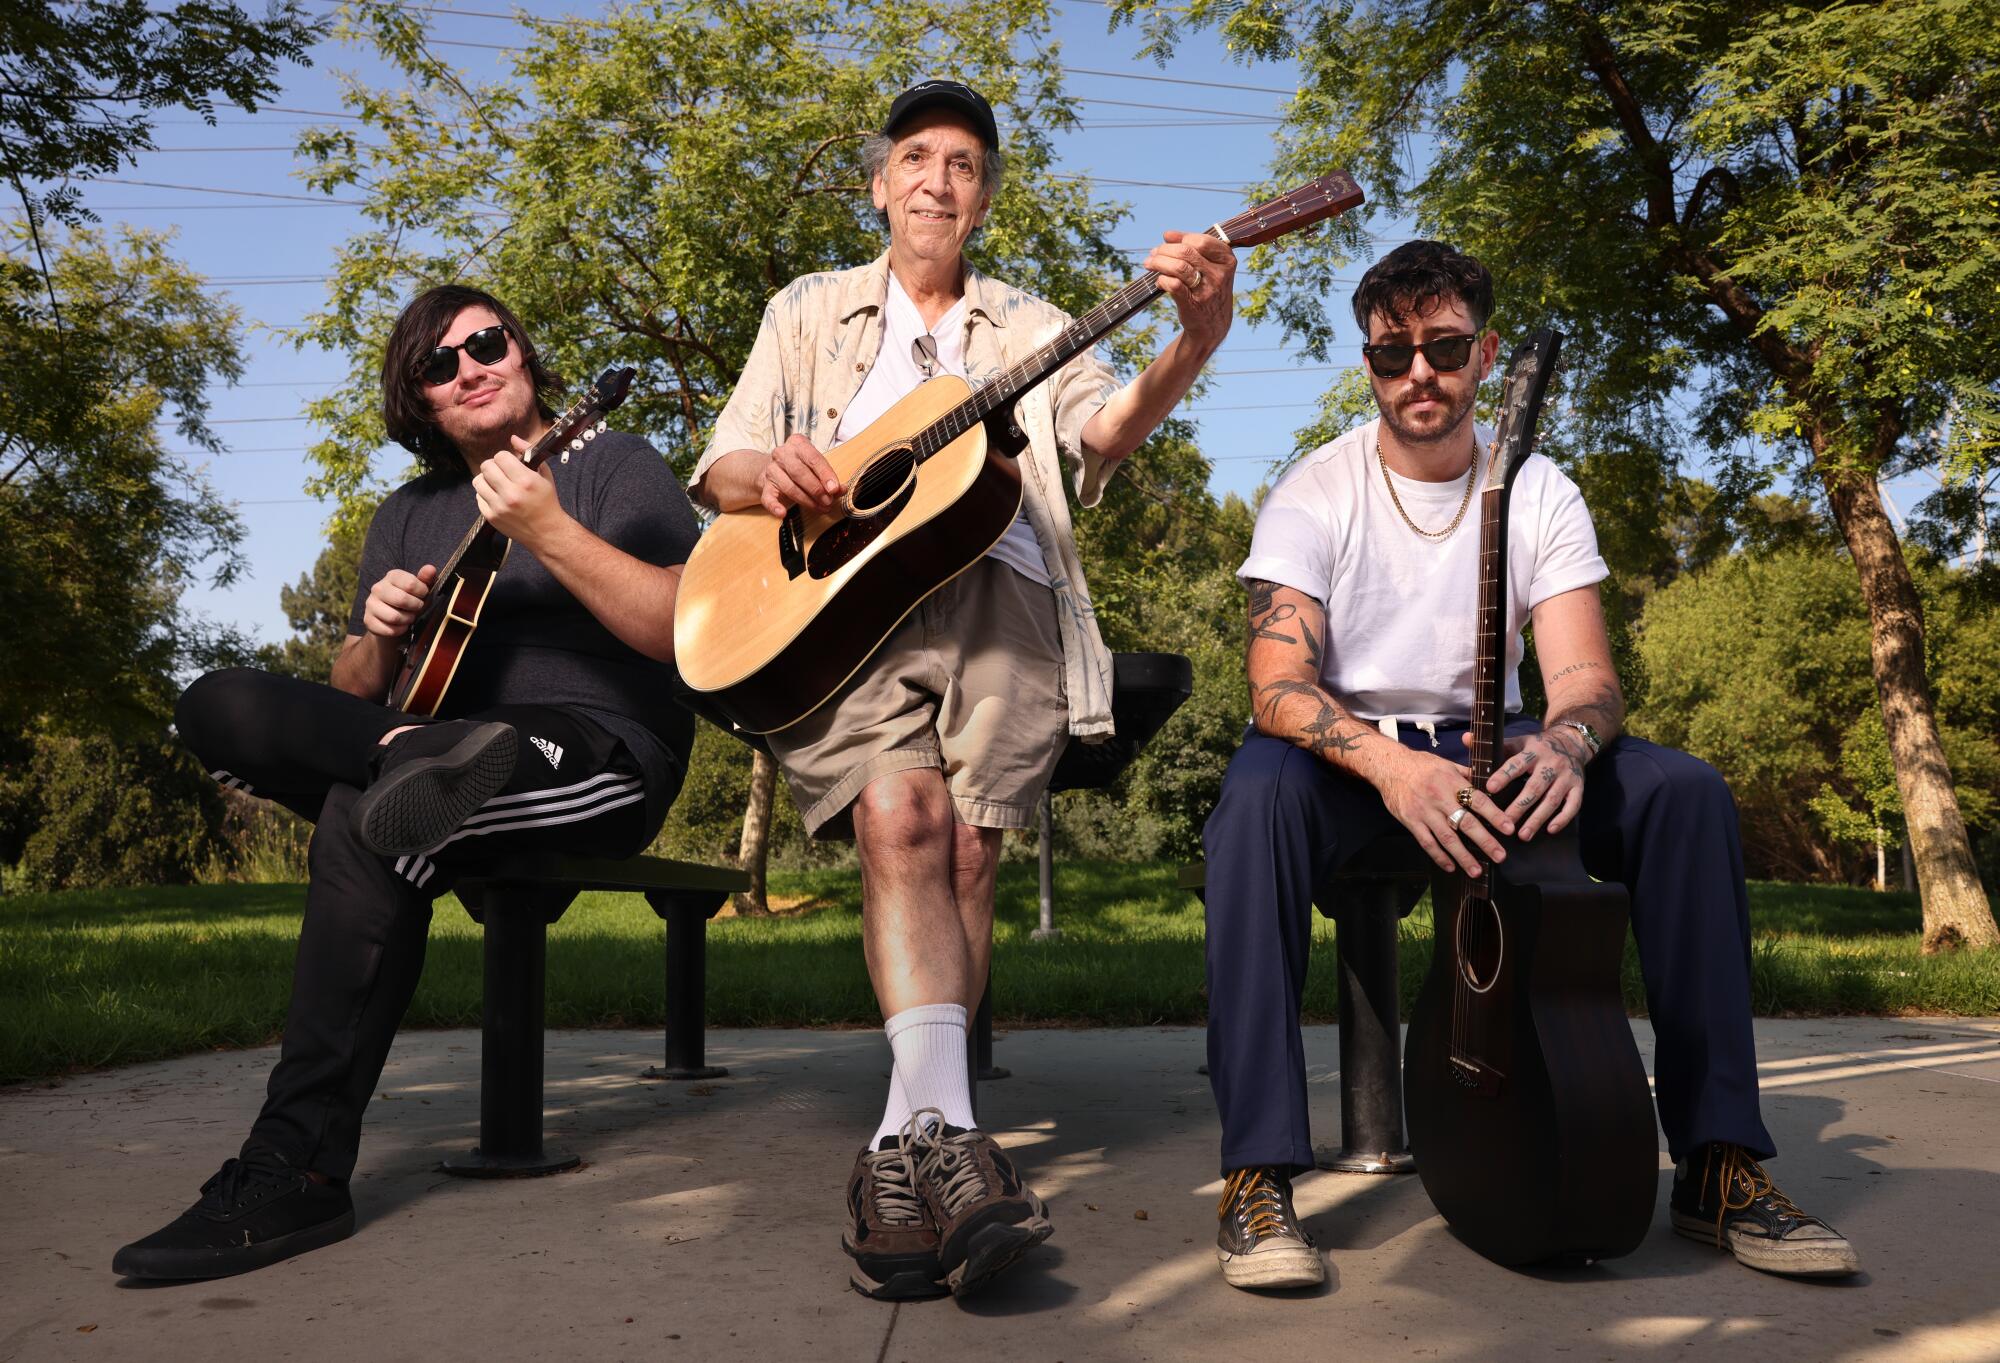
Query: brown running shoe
[1723, 1196]
[893, 1238]
[986, 1217]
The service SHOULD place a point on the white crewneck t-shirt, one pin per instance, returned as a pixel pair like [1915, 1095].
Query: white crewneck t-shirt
[896, 373]
[1402, 610]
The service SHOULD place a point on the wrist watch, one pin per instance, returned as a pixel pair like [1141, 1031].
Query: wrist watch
[1590, 737]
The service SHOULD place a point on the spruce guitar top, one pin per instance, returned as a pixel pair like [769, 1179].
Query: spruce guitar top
[440, 634]
[774, 614]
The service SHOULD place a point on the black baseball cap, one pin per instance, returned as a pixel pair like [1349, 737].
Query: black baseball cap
[946, 94]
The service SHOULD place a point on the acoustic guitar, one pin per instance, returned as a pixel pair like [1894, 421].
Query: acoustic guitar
[443, 630]
[1529, 1115]
[775, 613]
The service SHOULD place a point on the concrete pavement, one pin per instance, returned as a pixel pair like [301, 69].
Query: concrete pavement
[705, 1220]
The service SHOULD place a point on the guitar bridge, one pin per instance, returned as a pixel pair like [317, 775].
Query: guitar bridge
[1481, 1078]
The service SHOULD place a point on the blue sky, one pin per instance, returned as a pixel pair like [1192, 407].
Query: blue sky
[1201, 122]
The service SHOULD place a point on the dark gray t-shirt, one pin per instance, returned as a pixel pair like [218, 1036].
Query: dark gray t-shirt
[536, 644]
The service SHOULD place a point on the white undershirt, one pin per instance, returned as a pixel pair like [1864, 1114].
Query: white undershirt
[896, 374]
[1401, 610]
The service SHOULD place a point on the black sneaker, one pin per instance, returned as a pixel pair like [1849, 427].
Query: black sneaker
[893, 1239]
[986, 1217]
[253, 1213]
[1723, 1196]
[1260, 1242]
[432, 780]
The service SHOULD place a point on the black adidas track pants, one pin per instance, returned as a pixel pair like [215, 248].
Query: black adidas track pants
[314, 749]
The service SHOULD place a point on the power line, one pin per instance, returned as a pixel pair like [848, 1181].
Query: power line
[246, 193]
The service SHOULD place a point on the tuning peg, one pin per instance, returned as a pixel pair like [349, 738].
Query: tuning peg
[591, 433]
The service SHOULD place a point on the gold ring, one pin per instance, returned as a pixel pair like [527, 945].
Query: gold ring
[1465, 797]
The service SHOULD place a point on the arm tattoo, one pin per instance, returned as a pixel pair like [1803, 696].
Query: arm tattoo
[1266, 614]
[1574, 667]
[1327, 732]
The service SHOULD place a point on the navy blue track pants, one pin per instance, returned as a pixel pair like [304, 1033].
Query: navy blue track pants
[1658, 821]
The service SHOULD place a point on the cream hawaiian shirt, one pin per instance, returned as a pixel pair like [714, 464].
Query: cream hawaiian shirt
[819, 338]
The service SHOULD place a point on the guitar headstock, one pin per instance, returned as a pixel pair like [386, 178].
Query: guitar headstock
[1529, 370]
[584, 420]
[1328, 196]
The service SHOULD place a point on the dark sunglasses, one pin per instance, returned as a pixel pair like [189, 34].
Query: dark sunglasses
[1445, 354]
[488, 345]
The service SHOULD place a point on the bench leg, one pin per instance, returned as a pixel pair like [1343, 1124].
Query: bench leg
[510, 1056]
[687, 985]
[1371, 1041]
[1045, 849]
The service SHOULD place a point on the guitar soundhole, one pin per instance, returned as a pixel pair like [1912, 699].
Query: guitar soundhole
[882, 481]
[845, 538]
[1481, 946]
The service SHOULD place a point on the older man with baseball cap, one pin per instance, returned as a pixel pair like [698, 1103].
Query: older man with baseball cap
[947, 736]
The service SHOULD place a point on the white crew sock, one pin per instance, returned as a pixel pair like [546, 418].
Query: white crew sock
[930, 1071]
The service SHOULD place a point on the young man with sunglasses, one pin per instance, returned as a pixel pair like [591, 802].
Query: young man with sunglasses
[1361, 581]
[947, 736]
[556, 732]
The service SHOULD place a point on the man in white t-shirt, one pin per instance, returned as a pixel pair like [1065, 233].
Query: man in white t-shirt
[1361, 581]
[949, 733]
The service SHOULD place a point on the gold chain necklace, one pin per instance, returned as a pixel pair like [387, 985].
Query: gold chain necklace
[1471, 477]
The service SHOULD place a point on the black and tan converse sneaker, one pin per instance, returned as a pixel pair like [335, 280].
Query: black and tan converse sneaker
[1723, 1196]
[1260, 1241]
[986, 1217]
[893, 1238]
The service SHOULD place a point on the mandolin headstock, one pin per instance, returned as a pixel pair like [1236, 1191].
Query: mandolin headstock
[584, 420]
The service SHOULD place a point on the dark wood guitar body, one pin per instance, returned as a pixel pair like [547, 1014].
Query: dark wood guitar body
[1529, 1115]
[1549, 1154]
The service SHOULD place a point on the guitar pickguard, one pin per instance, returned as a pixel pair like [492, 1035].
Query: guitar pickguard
[841, 541]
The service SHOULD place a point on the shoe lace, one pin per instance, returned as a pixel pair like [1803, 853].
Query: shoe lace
[1254, 1195]
[947, 1161]
[238, 1179]
[892, 1185]
[1741, 1183]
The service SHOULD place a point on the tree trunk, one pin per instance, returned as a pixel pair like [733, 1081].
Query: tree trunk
[1956, 912]
[754, 854]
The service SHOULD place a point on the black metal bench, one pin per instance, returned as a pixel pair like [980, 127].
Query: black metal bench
[516, 898]
[1366, 899]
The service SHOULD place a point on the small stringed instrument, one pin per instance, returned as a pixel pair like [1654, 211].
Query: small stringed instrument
[1529, 1115]
[441, 632]
[774, 614]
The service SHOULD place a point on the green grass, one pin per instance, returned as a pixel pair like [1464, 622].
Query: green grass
[114, 977]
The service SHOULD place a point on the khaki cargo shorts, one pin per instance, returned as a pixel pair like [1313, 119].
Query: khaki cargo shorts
[971, 683]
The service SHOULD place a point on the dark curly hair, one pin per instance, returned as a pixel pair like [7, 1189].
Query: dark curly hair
[406, 408]
[1409, 278]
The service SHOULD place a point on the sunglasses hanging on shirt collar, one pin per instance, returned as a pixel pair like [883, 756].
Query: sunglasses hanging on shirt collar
[924, 351]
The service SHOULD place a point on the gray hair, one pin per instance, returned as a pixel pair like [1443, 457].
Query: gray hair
[875, 161]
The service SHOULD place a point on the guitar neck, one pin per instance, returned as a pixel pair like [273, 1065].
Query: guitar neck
[1489, 685]
[1330, 194]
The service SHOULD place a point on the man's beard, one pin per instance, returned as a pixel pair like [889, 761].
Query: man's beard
[1455, 415]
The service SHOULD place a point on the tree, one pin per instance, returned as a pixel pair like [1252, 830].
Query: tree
[1758, 663]
[100, 526]
[1791, 209]
[648, 180]
[81, 79]
[317, 606]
